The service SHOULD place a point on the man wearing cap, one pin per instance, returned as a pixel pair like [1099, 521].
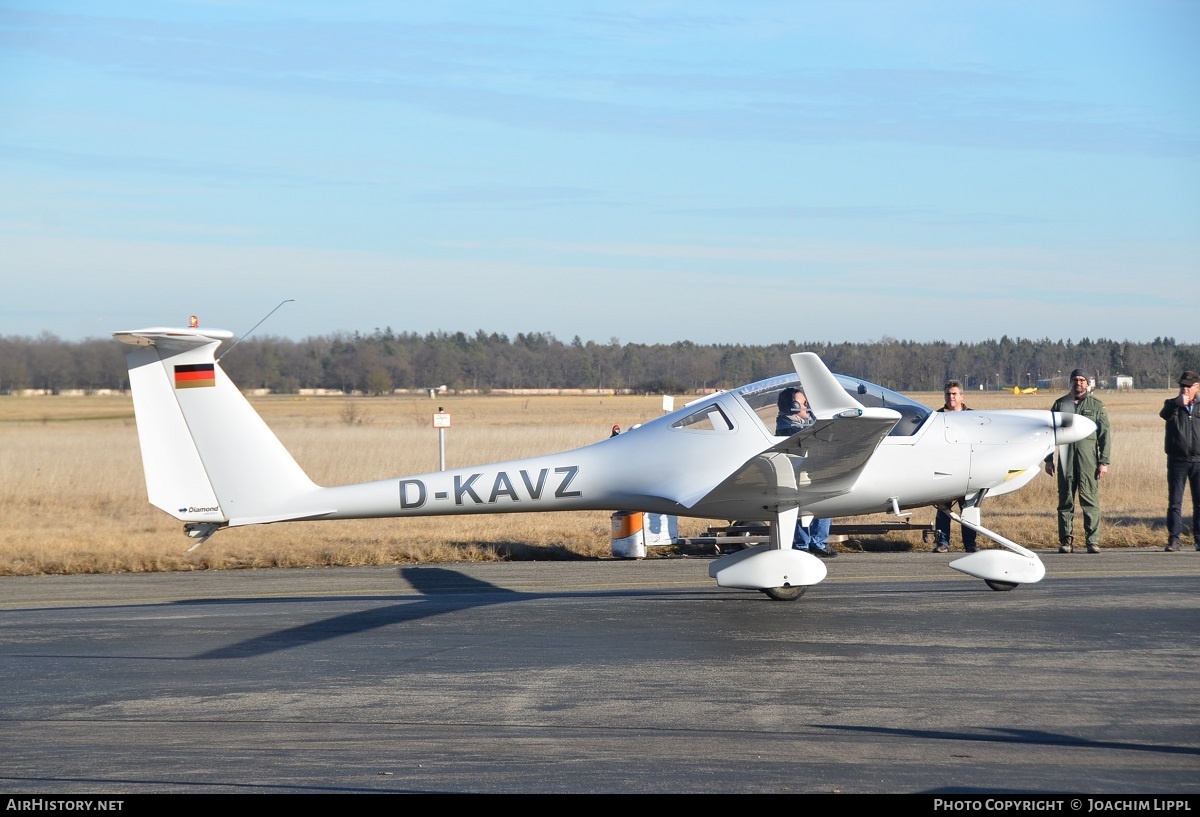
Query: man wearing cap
[1183, 457]
[1081, 466]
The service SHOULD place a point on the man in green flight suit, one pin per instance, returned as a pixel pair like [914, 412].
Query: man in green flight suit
[1081, 466]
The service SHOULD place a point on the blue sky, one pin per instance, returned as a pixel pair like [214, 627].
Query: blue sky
[649, 171]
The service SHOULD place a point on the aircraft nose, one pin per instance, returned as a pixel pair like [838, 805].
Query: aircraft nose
[1071, 428]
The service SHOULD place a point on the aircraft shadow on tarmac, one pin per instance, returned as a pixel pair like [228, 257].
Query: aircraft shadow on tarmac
[1026, 736]
[442, 590]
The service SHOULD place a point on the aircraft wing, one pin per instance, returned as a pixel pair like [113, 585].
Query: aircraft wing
[836, 449]
[823, 460]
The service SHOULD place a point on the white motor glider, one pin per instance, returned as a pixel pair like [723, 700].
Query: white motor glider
[212, 462]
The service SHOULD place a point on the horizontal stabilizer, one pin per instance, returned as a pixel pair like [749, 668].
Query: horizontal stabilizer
[172, 340]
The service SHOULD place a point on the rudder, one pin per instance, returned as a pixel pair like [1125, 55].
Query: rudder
[207, 455]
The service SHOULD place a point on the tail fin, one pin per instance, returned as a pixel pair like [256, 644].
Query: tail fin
[208, 457]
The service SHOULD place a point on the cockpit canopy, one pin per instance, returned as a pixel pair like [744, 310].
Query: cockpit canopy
[763, 396]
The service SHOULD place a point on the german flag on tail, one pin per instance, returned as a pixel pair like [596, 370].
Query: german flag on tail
[195, 376]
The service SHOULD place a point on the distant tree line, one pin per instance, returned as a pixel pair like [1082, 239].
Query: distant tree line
[384, 360]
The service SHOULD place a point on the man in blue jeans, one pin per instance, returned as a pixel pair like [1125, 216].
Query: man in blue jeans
[941, 525]
[794, 416]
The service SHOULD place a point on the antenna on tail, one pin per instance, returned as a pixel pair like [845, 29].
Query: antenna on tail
[252, 328]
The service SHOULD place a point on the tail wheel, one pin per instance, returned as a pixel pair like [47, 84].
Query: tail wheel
[786, 593]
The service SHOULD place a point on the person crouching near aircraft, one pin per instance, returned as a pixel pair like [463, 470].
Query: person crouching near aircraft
[941, 525]
[1183, 457]
[794, 416]
[1082, 466]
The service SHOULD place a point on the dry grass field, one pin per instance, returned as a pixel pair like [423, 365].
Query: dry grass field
[74, 499]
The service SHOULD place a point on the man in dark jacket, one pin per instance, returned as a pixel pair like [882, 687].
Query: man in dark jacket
[941, 522]
[1081, 466]
[1183, 457]
[794, 416]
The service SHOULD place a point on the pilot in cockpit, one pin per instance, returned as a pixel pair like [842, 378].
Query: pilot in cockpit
[794, 415]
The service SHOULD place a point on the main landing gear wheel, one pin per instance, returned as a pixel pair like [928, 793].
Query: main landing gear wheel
[1000, 586]
[785, 593]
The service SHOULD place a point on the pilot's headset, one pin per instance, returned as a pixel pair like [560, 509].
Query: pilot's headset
[788, 404]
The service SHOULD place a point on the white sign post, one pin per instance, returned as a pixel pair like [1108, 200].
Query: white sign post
[441, 421]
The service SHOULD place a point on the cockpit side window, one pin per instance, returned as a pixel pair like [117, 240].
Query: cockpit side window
[709, 418]
[763, 398]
